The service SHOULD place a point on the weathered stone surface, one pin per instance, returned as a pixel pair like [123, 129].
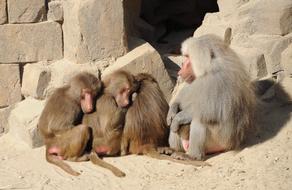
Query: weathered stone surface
[93, 30]
[26, 11]
[212, 24]
[30, 42]
[9, 84]
[36, 78]
[3, 12]
[55, 12]
[256, 17]
[254, 60]
[23, 121]
[272, 47]
[286, 60]
[63, 70]
[262, 25]
[145, 59]
[229, 6]
[267, 17]
[4, 114]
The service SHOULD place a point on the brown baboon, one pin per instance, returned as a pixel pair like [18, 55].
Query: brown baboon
[107, 121]
[217, 101]
[145, 128]
[59, 124]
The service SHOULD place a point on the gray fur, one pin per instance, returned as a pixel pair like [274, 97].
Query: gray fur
[220, 99]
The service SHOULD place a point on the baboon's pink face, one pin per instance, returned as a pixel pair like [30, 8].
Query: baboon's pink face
[186, 72]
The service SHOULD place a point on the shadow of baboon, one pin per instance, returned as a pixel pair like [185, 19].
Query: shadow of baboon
[273, 111]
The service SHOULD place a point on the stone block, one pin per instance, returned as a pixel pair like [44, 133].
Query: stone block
[145, 59]
[30, 42]
[3, 11]
[93, 30]
[55, 12]
[9, 84]
[23, 122]
[26, 11]
[36, 78]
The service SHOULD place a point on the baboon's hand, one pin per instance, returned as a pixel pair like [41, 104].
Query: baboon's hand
[173, 109]
[174, 127]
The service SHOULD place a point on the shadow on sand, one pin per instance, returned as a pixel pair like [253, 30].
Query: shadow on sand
[272, 113]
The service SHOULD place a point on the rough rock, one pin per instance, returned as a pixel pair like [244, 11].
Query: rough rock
[258, 16]
[254, 60]
[30, 42]
[286, 60]
[23, 121]
[36, 78]
[228, 6]
[63, 70]
[26, 11]
[3, 12]
[4, 114]
[262, 25]
[93, 30]
[146, 59]
[55, 12]
[270, 45]
[9, 84]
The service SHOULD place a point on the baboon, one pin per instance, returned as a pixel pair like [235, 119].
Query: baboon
[107, 122]
[145, 129]
[59, 124]
[218, 100]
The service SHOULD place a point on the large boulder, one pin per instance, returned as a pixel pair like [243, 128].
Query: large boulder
[30, 42]
[145, 58]
[93, 30]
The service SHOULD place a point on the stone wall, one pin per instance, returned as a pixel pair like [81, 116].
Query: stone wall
[44, 42]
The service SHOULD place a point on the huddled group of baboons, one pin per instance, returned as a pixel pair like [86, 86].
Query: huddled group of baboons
[124, 114]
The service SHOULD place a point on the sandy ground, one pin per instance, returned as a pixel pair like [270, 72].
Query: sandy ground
[266, 163]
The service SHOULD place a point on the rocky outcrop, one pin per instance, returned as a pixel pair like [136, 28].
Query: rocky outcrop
[261, 31]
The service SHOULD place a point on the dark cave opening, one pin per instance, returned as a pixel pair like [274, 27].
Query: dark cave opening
[166, 23]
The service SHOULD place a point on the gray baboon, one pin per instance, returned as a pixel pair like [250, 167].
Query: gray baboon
[217, 100]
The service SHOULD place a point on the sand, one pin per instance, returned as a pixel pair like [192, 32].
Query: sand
[265, 163]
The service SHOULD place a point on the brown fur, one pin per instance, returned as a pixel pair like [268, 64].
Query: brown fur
[58, 123]
[108, 120]
[145, 127]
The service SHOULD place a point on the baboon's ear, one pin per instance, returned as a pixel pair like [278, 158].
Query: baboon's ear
[227, 36]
